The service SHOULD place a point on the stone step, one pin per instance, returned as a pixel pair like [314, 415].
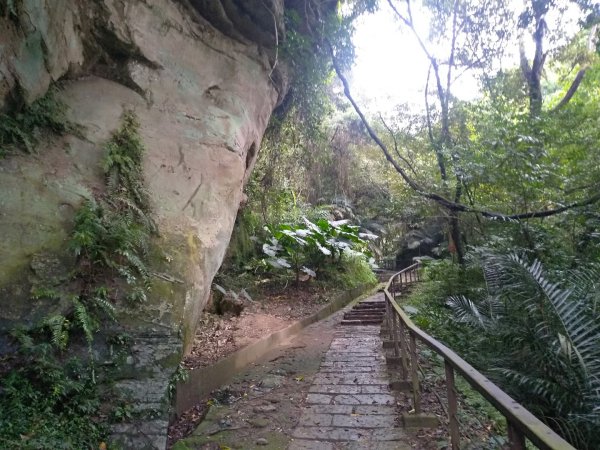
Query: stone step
[370, 305]
[366, 312]
[361, 322]
[363, 316]
[370, 308]
[373, 320]
[396, 361]
[389, 344]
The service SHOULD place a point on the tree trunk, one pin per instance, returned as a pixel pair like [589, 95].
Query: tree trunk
[456, 237]
[533, 73]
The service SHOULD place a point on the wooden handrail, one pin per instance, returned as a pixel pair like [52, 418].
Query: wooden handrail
[521, 422]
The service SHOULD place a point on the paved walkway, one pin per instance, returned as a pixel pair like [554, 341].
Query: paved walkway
[349, 404]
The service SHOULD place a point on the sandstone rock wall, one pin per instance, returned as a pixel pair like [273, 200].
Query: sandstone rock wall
[198, 75]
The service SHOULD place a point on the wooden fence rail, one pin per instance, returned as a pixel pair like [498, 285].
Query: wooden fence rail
[521, 424]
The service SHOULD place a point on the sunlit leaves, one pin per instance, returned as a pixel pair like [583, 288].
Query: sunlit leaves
[313, 244]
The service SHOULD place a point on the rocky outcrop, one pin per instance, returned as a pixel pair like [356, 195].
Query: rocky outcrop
[199, 76]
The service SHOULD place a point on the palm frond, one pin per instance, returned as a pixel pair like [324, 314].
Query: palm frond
[572, 431]
[542, 388]
[466, 311]
[581, 330]
[493, 278]
[585, 284]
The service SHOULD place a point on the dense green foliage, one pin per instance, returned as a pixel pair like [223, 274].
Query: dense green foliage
[47, 402]
[47, 399]
[545, 341]
[324, 247]
[302, 174]
[536, 335]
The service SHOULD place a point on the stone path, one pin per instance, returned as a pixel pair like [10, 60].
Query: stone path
[349, 404]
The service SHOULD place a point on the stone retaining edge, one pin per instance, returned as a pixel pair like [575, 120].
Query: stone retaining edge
[203, 381]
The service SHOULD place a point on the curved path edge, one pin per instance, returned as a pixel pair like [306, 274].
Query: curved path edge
[203, 381]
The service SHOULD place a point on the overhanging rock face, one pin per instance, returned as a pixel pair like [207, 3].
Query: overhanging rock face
[198, 75]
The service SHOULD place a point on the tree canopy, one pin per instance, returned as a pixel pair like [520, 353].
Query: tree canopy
[513, 172]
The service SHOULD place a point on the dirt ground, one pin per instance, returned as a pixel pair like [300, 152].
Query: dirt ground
[264, 400]
[219, 336]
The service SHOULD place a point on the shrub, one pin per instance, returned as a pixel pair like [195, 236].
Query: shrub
[310, 247]
[48, 403]
[354, 271]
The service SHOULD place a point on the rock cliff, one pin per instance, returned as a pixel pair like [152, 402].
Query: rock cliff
[199, 76]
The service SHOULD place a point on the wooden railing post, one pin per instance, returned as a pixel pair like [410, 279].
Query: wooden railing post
[414, 372]
[394, 333]
[388, 314]
[516, 440]
[403, 352]
[452, 407]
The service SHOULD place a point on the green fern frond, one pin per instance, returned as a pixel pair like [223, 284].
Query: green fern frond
[84, 320]
[136, 263]
[105, 306]
[59, 330]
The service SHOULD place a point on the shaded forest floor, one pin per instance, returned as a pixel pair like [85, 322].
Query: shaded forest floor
[275, 308]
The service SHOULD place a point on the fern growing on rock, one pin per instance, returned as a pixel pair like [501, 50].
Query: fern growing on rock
[21, 128]
[114, 231]
[51, 400]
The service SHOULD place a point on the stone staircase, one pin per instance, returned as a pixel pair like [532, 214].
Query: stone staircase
[366, 312]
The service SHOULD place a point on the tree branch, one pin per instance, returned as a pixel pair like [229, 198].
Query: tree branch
[443, 96]
[572, 89]
[523, 59]
[406, 161]
[413, 184]
[579, 77]
[547, 213]
[410, 23]
[427, 109]
[443, 201]
[452, 51]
